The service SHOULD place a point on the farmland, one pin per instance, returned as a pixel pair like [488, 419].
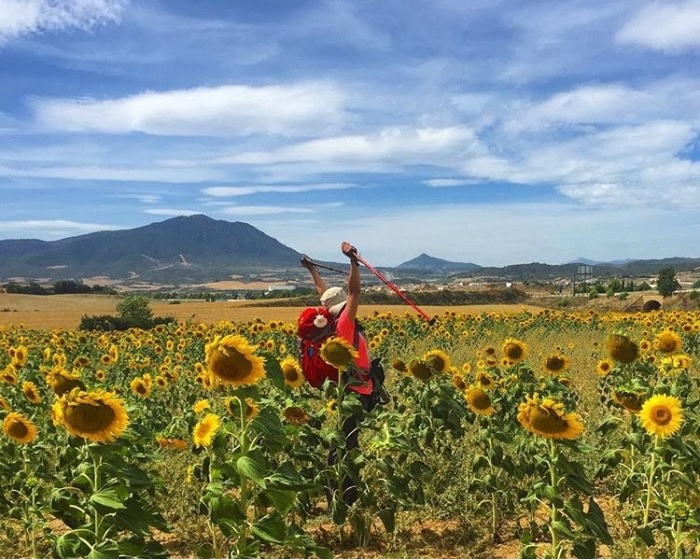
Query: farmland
[512, 431]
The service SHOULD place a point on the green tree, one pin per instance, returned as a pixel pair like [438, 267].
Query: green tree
[136, 310]
[666, 283]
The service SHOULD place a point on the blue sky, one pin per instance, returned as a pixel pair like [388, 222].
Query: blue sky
[494, 132]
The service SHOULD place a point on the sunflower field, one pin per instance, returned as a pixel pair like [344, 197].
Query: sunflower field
[561, 434]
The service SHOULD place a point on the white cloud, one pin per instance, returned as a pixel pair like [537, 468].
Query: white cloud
[231, 110]
[91, 173]
[669, 26]
[171, 212]
[500, 234]
[24, 17]
[448, 182]
[48, 229]
[389, 145]
[257, 189]
[264, 210]
[144, 198]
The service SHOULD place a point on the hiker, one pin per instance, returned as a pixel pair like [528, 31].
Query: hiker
[332, 298]
[319, 323]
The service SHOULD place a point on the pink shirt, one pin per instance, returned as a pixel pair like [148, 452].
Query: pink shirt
[345, 328]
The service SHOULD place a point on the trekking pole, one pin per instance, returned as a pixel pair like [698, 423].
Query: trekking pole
[393, 288]
[319, 265]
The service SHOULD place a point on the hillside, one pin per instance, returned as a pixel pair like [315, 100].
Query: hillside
[197, 249]
[182, 249]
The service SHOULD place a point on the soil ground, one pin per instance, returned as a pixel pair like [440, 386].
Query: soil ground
[65, 311]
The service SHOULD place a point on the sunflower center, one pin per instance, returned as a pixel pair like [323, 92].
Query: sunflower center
[291, 375]
[436, 362]
[232, 367]
[480, 400]
[17, 430]
[89, 418]
[661, 415]
[337, 354]
[420, 370]
[513, 351]
[667, 343]
[547, 421]
[554, 363]
[63, 385]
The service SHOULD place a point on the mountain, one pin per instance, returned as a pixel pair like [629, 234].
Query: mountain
[590, 262]
[424, 262]
[186, 248]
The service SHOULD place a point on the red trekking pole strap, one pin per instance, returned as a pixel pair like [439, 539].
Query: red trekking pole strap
[393, 287]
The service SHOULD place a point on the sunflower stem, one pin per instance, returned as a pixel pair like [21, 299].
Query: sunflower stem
[245, 447]
[650, 483]
[678, 539]
[554, 481]
[96, 487]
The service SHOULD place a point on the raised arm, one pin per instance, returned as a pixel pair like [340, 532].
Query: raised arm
[353, 302]
[319, 282]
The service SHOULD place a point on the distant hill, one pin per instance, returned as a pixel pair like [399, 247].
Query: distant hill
[191, 248]
[424, 262]
[198, 249]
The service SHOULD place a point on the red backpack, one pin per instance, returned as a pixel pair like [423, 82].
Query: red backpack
[315, 326]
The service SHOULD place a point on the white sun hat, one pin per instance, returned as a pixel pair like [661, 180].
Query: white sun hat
[334, 299]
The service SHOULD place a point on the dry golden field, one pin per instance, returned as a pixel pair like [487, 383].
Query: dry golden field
[65, 311]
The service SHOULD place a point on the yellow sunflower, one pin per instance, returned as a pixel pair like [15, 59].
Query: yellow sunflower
[604, 367]
[21, 356]
[62, 381]
[630, 401]
[98, 416]
[292, 372]
[233, 407]
[557, 363]
[478, 401]
[514, 350]
[19, 428]
[438, 360]
[484, 380]
[339, 352]
[399, 365]
[141, 386]
[31, 392]
[668, 342]
[622, 349]
[200, 406]
[295, 415]
[547, 418]
[232, 361]
[459, 383]
[661, 415]
[205, 430]
[420, 370]
[9, 375]
[5, 404]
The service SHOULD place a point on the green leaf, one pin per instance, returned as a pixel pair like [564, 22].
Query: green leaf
[69, 544]
[596, 524]
[268, 424]
[270, 528]
[646, 534]
[562, 528]
[283, 500]
[273, 371]
[107, 499]
[388, 517]
[254, 467]
[574, 509]
[585, 549]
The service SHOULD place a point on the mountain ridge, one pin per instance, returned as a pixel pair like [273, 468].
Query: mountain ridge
[197, 249]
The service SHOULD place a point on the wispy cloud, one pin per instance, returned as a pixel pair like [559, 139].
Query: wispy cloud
[50, 229]
[25, 17]
[664, 26]
[229, 110]
[170, 212]
[258, 189]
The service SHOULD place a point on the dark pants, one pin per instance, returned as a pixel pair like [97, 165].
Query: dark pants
[351, 432]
